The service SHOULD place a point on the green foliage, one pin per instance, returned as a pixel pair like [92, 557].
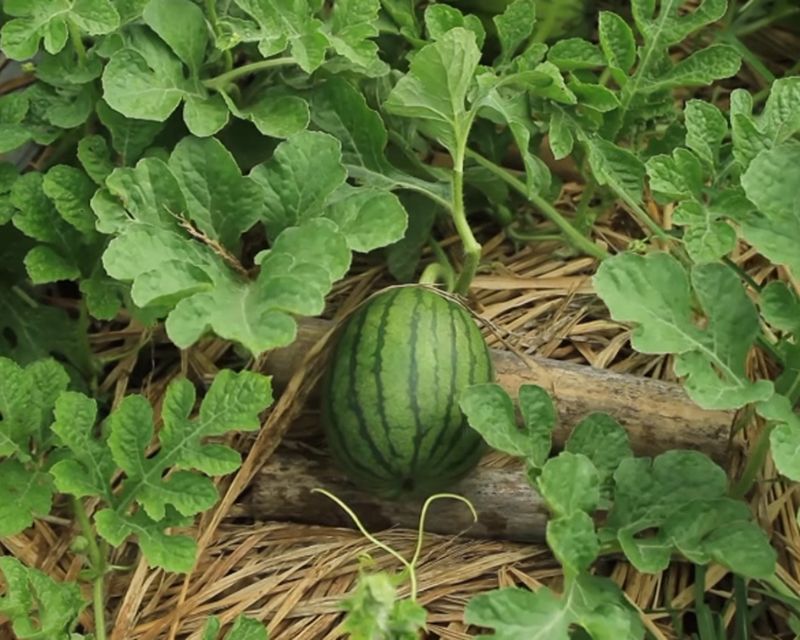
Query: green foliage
[37, 605]
[243, 628]
[676, 503]
[215, 165]
[51, 443]
[375, 613]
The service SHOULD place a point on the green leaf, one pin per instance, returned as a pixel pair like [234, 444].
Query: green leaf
[617, 43]
[95, 158]
[205, 116]
[174, 553]
[187, 35]
[435, 88]
[781, 117]
[70, 190]
[29, 332]
[440, 18]
[561, 139]
[25, 493]
[205, 284]
[572, 54]
[708, 530]
[701, 68]
[600, 438]
[44, 265]
[512, 109]
[569, 483]
[785, 436]
[617, 168]
[678, 177]
[368, 218]
[103, 295]
[593, 96]
[288, 23]
[8, 176]
[303, 172]
[39, 219]
[354, 25]
[556, 89]
[514, 26]
[340, 109]
[47, 20]
[515, 613]
[654, 292]
[90, 470]
[748, 139]
[129, 137]
[490, 412]
[769, 184]
[780, 306]
[603, 610]
[244, 628]
[37, 605]
[403, 256]
[241, 395]
[374, 611]
[667, 25]
[648, 494]
[144, 80]
[277, 114]
[219, 200]
[13, 133]
[573, 540]
[211, 628]
[706, 128]
[663, 26]
[233, 402]
[705, 236]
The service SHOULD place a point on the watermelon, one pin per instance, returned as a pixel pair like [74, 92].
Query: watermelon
[390, 396]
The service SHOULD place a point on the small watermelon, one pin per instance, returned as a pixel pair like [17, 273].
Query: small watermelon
[390, 398]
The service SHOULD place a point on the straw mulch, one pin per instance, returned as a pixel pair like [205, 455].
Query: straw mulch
[535, 298]
[293, 576]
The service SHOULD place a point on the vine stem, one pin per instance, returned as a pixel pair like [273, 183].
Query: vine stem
[408, 565]
[98, 566]
[222, 80]
[471, 247]
[77, 41]
[575, 237]
[211, 11]
[755, 462]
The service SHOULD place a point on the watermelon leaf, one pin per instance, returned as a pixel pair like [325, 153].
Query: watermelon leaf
[37, 605]
[655, 292]
[374, 611]
[595, 604]
[177, 228]
[603, 441]
[490, 412]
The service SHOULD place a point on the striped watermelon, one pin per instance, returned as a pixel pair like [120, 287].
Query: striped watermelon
[390, 401]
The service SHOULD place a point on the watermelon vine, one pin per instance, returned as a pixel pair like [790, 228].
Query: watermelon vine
[212, 170]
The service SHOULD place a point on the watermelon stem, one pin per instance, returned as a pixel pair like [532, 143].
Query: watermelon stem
[472, 248]
[423, 514]
[409, 567]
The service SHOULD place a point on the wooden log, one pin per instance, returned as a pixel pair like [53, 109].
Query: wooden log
[508, 508]
[657, 415]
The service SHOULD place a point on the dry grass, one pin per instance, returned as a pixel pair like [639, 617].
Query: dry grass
[292, 576]
[536, 298]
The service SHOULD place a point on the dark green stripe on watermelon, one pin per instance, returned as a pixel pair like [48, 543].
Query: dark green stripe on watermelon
[390, 402]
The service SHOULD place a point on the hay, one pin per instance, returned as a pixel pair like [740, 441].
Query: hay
[534, 297]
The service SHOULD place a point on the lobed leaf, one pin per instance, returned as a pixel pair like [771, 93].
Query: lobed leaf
[655, 292]
[37, 605]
